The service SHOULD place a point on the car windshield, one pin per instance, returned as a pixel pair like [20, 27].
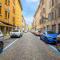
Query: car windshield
[15, 31]
[50, 32]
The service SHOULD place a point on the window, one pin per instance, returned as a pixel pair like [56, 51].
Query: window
[48, 27]
[59, 12]
[5, 14]
[55, 14]
[49, 16]
[49, 4]
[50, 32]
[56, 1]
[8, 15]
[0, 8]
[14, 21]
[52, 15]
[58, 28]
[42, 2]
[6, 2]
[13, 10]
[54, 28]
[44, 10]
[52, 2]
[16, 31]
[14, 2]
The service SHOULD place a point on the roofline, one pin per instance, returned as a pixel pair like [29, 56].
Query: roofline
[37, 9]
[20, 4]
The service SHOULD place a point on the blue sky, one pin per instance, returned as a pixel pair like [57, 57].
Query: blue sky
[29, 9]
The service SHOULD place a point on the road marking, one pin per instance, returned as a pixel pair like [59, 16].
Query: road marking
[54, 50]
[53, 47]
[10, 45]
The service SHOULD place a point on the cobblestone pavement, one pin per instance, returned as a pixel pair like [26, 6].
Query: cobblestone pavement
[29, 47]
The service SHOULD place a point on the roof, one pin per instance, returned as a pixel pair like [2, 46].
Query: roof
[20, 4]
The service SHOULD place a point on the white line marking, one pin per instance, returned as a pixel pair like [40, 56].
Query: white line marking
[10, 45]
[53, 48]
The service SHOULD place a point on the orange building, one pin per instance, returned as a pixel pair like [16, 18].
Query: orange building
[9, 17]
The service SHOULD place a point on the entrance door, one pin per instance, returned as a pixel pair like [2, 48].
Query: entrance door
[54, 28]
[58, 28]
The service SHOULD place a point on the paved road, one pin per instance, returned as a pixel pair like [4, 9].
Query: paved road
[29, 47]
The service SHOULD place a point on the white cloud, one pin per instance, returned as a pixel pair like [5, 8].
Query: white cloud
[31, 5]
[29, 19]
[32, 1]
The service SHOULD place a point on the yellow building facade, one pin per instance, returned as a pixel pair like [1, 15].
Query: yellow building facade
[18, 13]
[10, 15]
[24, 24]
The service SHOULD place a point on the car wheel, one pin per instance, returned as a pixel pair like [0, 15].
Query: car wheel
[19, 36]
[11, 36]
[1, 46]
[53, 43]
[40, 37]
[46, 40]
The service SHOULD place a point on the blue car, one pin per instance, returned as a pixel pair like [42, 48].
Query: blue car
[49, 37]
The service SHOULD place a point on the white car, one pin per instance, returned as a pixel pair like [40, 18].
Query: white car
[1, 41]
[15, 33]
[26, 31]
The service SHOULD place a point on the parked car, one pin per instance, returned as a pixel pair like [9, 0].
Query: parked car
[37, 32]
[58, 46]
[15, 34]
[58, 42]
[25, 31]
[58, 37]
[49, 37]
[1, 41]
[21, 33]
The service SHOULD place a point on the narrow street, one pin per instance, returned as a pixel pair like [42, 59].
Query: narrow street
[28, 47]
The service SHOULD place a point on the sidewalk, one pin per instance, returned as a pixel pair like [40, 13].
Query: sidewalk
[7, 40]
[6, 37]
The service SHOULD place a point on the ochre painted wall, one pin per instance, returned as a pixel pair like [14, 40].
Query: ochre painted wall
[18, 14]
[14, 18]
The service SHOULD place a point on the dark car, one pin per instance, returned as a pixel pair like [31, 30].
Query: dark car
[49, 37]
[1, 41]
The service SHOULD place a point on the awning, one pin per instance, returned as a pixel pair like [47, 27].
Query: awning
[2, 24]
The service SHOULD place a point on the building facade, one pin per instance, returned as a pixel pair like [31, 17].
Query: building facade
[18, 14]
[24, 24]
[36, 22]
[9, 17]
[54, 15]
[48, 14]
[38, 17]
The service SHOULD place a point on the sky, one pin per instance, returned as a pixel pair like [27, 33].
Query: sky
[29, 9]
